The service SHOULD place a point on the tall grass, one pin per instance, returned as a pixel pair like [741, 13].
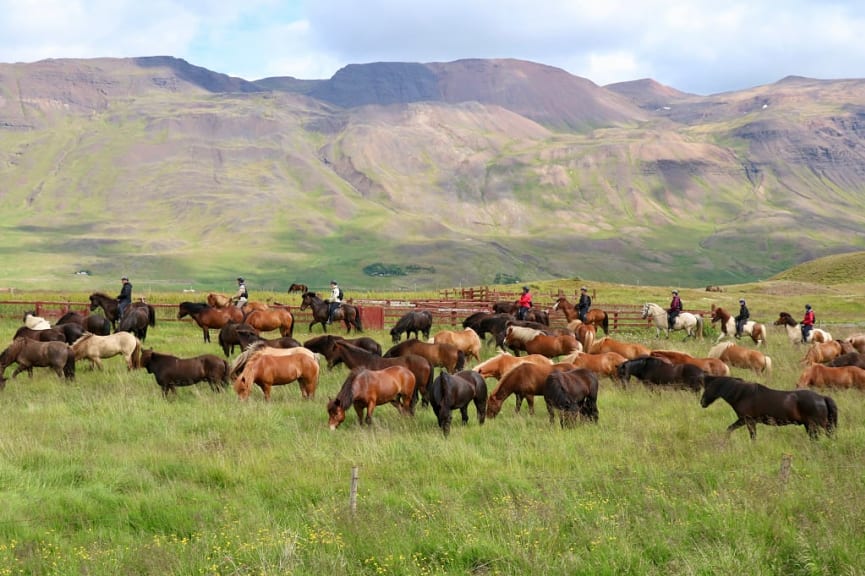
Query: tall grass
[103, 476]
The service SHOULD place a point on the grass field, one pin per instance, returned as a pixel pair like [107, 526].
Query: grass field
[103, 476]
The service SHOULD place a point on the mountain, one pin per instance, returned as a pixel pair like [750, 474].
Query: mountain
[410, 175]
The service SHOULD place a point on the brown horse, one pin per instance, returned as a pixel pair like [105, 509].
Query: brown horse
[604, 363]
[447, 356]
[29, 353]
[822, 352]
[271, 319]
[713, 366]
[820, 376]
[217, 300]
[737, 356]
[95, 323]
[849, 359]
[629, 350]
[355, 357]
[365, 389]
[348, 314]
[208, 317]
[324, 345]
[136, 320]
[574, 393]
[595, 316]
[109, 307]
[171, 371]
[466, 340]
[497, 366]
[527, 380]
[267, 370]
[298, 288]
[536, 342]
[55, 334]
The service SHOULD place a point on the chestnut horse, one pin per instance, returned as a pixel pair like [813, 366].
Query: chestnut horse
[604, 363]
[629, 350]
[713, 366]
[466, 340]
[217, 300]
[820, 376]
[208, 317]
[29, 353]
[574, 393]
[528, 380]
[822, 352]
[271, 319]
[355, 357]
[595, 316]
[501, 364]
[447, 356]
[451, 392]
[295, 287]
[267, 370]
[365, 389]
[755, 330]
[540, 343]
[737, 356]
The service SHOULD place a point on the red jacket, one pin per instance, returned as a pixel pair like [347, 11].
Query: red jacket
[808, 320]
[525, 300]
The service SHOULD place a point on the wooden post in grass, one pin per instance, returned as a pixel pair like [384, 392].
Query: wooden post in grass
[784, 472]
[352, 494]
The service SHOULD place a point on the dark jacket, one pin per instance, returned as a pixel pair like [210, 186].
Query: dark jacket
[585, 303]
[125, 296]
[743, 313]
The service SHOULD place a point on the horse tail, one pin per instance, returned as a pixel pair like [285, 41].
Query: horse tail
[767, 366]
[461, 361]
[605, 323]
[136, 354]
[151, 316]
[832, 415]
[358, 324]
[700, 326]
[69, 367]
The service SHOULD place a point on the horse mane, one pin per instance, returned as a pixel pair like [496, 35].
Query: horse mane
[523, 333]
[718, 349]
[195, 307]
[345, 396]
[81, 339]
[244, 357]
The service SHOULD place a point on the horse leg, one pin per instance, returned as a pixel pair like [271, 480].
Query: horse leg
[481, 407]
[464, 412]
[530, 400]
[369, 409]
[737, 424]
[552, 413]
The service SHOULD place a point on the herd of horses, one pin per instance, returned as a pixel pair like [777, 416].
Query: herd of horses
[563, 365]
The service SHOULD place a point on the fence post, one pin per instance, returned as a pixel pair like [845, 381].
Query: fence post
[352, 494]
[786, 466]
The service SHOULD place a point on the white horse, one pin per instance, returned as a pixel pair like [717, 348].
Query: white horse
[692, 324]
[794, 330]
[35, 322]
[755, 330]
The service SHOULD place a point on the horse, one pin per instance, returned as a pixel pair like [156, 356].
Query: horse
[302, 288]
[737, 356]
[109, 307]
[346, 313]
[366, 389]
[755, 330]
[355, 357]
[794, 330]
[257, 348]
[267, 370]
[29, 353]
[250, 336]
[822, 352]
[417, 321]
[466, 340]
[171, 371]
[574, 393]
[136, 320]
[95, 323]
[658, 372]
[713, 366]
[271, 319]
[820, 376]
[527, 380]
[692, 324]
[208, 317]
[505, 307]
[540, 343]
[94, 348]
[603, 363]
[34, 322]
[755, 403]
[849, 359]
[235, 334]
[857, 341]
[324, 345]
[595, 316]
[629, 350]
[451, 392]
[447, 356]
[499, 365]
[584, 333]
[217, 300]
[55, 334]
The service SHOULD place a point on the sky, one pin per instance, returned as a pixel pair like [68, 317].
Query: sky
[698, 46]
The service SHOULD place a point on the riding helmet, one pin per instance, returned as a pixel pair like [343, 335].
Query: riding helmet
[675, 291]
[240, 279]
[807, 306]
[583, 289]
[741, 300]
[525, 288]
[124, 278]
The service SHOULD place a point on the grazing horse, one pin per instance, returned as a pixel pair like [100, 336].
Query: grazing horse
[595, 316]
[604, 363]
[271, 319]
[658, 372]
[822, 352]
[136, 320]
[324, 345]
[692, 324]
[346, 313]
[755, 403]
[302, 288]
[94, 348]
[550, 345]
[171, 371]
[794, 330]
[355, 357]
[849, 359]
[417, 321]
[447, 356]
[208, 317]
[713, 366]
[499, 365]
[95, 323]
[629, 350]
[857, 341]
[755, 330]
[574, 393]
[451, 392]
[820, 376]
[737, 356]
[34, 322]
[466, 340]
[527, 380]
[365, 389]
[267, 370]
[29, 353]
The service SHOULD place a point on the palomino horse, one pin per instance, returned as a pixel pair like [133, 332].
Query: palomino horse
[574, 393]
[29, 353]
[692, 324]
[346, 313]
[271, 319]
[171, 371]
[365, 389]
[451, 392]
[755, 330]
[95, 348]
[755, 403]
[713, 366]
[536, 342]
[208, 317]
[820, 376]
[629, 350]
[794, 330]
[267, 370]
[595, 316]
[466, 340]
[823, 352]
[737, 356]
[527, 380]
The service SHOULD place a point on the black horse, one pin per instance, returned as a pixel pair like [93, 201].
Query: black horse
[324, 345]
[53, 334]
[136, 320]
[755, 403]
[450, 392]
[348, 314]
[659, 372]
[417, 321]
[93, 323]
[171, 371]
[574, 393]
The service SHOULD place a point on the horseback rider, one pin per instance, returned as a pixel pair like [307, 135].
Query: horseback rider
[674, 309]
[524, 304]
[241, 297]
[124, 299]
[336, 297]
[584, 304]
[807, 323]
[743, 317]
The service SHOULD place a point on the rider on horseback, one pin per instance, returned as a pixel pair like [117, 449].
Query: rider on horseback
[674, 309]
[335, 300]
[743, 317]
[124, 299]
[807, 323]
[584, 304]
[242, 295]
